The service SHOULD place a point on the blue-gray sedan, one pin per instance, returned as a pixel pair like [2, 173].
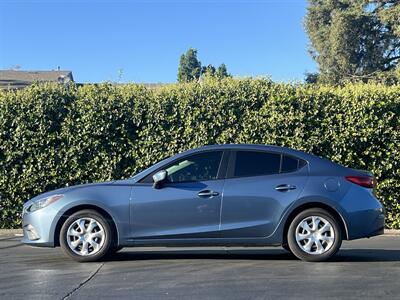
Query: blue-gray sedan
[222, 195]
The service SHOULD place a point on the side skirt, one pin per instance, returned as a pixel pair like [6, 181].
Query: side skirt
[239, 242]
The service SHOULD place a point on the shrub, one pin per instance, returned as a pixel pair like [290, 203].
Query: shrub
[53, 135]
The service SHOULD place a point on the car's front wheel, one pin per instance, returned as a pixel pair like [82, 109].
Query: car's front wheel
[314, 235]
[86, 236]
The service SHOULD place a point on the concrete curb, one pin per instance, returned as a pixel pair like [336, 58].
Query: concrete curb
[392, 232]
[5, 232]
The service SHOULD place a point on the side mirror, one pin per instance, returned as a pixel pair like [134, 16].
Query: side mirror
[159, 178]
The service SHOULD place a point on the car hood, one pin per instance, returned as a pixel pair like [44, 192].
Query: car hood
[69, 189]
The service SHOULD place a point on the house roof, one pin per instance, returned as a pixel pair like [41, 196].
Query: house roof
[21, 79]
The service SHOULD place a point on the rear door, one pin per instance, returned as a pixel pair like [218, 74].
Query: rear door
[259, 187]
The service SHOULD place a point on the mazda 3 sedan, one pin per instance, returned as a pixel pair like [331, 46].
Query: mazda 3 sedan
[221, 195]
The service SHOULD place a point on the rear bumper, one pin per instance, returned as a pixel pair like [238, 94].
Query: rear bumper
[369, 223]
[380, 230]
[365, 215]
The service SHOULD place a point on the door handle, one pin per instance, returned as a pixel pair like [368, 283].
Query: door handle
[207, 193]
[285, 187]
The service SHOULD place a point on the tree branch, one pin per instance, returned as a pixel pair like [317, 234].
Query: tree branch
[389, 59]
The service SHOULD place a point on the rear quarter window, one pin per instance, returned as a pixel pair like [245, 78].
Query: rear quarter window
[291, 164]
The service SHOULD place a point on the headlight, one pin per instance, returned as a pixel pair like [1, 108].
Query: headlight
[38, 204]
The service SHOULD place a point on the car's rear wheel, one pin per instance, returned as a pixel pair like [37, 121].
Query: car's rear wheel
[314, 235]
[86, 236]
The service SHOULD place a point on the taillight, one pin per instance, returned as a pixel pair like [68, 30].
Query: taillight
[365, 181]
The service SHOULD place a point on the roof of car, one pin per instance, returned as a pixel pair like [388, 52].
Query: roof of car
[319, 164]
[273, 148]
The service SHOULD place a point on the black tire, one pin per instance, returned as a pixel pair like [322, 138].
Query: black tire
[302, 254]
[107, 244]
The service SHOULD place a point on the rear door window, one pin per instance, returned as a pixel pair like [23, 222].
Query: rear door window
[257, 163]
[252, 163]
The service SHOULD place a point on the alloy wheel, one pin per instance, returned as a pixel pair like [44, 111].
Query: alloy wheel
[315, 235]
[85, 236]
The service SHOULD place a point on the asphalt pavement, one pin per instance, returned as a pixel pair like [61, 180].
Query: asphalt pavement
[367, 269]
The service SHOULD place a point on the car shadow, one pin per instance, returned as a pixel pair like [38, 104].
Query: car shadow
[366, 255]
[345, 255]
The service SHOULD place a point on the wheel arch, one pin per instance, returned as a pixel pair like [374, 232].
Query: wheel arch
[316, 204]
[70, 211]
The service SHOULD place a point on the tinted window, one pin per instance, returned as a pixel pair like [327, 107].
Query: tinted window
[250, 163]
[198, 167]
[291, 164]
[302, 163]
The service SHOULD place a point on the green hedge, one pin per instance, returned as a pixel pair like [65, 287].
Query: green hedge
[53, 135]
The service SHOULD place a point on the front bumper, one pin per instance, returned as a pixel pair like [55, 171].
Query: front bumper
[38, 227]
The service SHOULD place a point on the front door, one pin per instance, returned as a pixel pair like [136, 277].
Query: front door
[188, 205]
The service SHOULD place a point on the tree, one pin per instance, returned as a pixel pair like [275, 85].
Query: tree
[189, 66]
[311, 78]
[209, 70]
[222, 72]
[354, 39]
[219, 73]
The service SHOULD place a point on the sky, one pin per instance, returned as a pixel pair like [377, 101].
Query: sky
[141, 41]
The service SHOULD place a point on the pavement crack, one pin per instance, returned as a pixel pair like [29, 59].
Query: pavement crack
[83, 283]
